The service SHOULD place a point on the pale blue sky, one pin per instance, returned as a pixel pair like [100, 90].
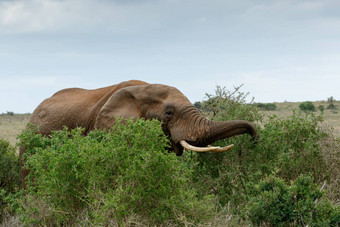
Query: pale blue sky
[279, 49]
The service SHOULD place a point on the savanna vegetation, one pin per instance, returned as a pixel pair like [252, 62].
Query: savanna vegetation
[289, 176]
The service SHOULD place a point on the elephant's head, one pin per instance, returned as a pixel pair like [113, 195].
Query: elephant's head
[182, 121]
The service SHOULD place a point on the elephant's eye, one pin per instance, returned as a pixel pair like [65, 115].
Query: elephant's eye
[168, 113]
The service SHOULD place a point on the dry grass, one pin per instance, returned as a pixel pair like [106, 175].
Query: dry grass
[331, 117]
[11, 221]
[332, 161]
[11, 126]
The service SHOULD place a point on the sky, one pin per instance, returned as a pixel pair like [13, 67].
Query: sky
[280, 50]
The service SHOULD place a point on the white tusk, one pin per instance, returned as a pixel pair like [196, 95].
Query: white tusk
[204, 149]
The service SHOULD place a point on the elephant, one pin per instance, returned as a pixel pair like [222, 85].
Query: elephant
[185, 126]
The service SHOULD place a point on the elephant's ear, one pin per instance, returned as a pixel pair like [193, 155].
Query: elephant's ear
[122, 103]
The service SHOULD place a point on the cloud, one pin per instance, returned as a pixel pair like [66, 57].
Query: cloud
[10, 83]
[27, 16]
[24, 16]
[49, 15]
[129, 17]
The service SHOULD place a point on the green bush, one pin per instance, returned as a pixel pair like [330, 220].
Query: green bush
[9, 167]
[276, 203]
[10, 180]
[198, 105]
[221, 173]
[110, 176]
[267, 106]
[10, 113]
[321, 108]
[292, 146]
[307, 107]
[331, 106]
[227, 105]
[288, 147]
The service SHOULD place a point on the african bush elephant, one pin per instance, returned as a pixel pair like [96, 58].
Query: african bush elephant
[96, 109]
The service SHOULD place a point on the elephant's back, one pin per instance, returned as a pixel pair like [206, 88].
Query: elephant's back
[92, 96]
[73, 107]
[69, 107]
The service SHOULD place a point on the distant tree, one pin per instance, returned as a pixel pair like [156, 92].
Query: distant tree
[266, 106]
[331, 105]
[307, 107]
[330, 100]
[10, 113]
[261, 105]
[270, 106]
[321, 108]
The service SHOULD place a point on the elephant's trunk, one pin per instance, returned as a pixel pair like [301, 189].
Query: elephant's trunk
[200, 131]
[226, 129]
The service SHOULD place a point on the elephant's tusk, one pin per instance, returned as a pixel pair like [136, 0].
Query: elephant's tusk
[204, 149]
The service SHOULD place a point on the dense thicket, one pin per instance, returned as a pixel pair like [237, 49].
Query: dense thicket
[9, 177]
[110, 177]
[267, 106]
[126, 176]
[297, 148]
[307, 107]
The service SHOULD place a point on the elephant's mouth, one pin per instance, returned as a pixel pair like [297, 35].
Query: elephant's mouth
[184, 145]
[177, 148]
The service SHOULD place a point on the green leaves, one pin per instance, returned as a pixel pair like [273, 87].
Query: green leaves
[276, 203]
[10, 179]
[9, 167]
[307, 107]
[111, 175]
[288, 148]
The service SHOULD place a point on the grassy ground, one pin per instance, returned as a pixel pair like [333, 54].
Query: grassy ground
[11, 126]
[331, 117]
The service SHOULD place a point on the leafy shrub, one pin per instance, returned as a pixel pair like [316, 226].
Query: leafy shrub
[331, 106]
[226, 105]
[221, 173]
[9, 113]
[307, 107]
[321, 108]
[330, 102]
[9, 167]
[111, 176]
[267, 106]
[276, 203]
[198, 105]
[291, 146]
[288, 147]
[10, 179]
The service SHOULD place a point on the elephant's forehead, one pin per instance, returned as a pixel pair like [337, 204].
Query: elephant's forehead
[175, 96]
[167, 93]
